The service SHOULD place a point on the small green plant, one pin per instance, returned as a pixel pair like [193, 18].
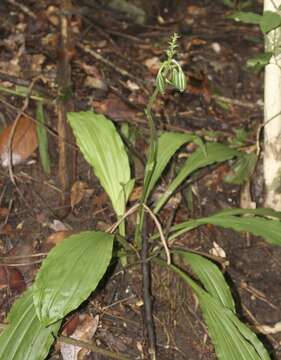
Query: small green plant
[74, 268]
[267, 22]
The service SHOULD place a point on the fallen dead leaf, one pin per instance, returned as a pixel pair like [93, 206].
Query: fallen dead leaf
[58, 237]
[153, 64]
[84, 332]
[114, 108]
[78, 191]
[58, 225]
[136, 193]
[24, 141]
[6, 229]
[4, 212]
[195, 10]
[12, 279]
[217, 251]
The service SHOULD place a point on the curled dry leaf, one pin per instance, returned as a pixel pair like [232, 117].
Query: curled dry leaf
[23, 144]
[84, 331]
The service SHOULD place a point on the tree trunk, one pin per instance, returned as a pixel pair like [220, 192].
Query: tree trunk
[272, 116]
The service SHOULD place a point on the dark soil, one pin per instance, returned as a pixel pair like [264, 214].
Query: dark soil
[213, 51]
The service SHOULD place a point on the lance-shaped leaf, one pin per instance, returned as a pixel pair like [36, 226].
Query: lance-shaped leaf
[269, 229]
[203, 156]
[25, 337]
[210, 276]
[243, 169]
[71, 271]
[246, 17]
[231, 338]
[103, 148]
[168, 144]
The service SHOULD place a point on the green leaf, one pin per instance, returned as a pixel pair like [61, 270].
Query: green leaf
[264, 212]
[168, 144]
[232, 339]
[71, 271]
[246, 17]
[103, 148]
[160, 82]
[42, 138]
[269, 229]
[240, 138]
[243, 169]
[229, 3]
[260, 61]
[210, 276]
[211, 153]
[25, 337]
[269, 21]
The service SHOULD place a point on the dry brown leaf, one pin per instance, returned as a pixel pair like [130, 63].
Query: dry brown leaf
[24, 141]
[195, 10]
[6, 229]
[12, 279]
[4, 212]
[84, 332]
[58, 237]
[153, 64]
[78, 191]
[114, 108]
[136, 193]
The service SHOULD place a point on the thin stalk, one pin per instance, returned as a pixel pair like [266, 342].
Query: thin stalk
[149, 167]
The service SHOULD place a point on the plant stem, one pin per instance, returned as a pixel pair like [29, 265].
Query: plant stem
[151, 162]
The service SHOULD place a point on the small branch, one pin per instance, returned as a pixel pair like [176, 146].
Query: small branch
[241, 103]
[23, 8]
[103, 60]
[92, 347]
[161, 234]
[65, 104]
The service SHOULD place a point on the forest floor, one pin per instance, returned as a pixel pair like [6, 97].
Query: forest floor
[114, 62]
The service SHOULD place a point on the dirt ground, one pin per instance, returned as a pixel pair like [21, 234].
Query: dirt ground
[115, 77]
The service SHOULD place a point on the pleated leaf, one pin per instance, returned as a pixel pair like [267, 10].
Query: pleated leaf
[243, 169]
[269, 229]
[203, 156]
[232, 339]
[103, 148]
[25, 337]
[71, 271]
[210, 276]
[168, 144]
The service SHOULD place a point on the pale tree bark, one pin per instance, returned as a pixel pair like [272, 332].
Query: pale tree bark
[272, 115]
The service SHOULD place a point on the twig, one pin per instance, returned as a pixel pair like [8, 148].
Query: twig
[242, 103]
[65, 104]
[161, 234]
[23, 8]
[133, 209]
[100, 58]
[93, 347]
